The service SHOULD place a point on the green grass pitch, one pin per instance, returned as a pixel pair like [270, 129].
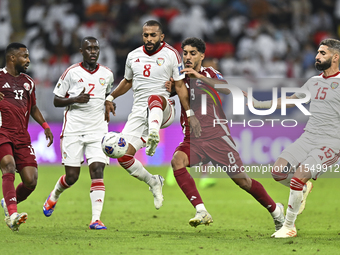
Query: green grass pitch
[241, 225]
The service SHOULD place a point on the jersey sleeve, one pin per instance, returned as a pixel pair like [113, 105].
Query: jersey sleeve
[110, 84]
[216, 74]
[177, 66]
[128, 70]
[62, 86]
[33, 97]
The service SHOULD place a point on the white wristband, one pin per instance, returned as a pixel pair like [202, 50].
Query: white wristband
[109, 98]
[189, 113]
[262, 104]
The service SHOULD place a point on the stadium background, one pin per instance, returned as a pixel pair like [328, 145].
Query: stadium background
[254, 43]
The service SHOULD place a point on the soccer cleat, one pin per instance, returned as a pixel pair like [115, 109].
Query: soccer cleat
[279, 220]
[7, 219]
[309, 185]
[201, 217]
[152, 142]
[97, 225]
[285, 232]
[156, 190]
[17, 221]
[49, 206]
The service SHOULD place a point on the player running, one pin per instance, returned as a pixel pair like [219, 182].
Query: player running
[17, 104]
[215, 143]
[318, 148]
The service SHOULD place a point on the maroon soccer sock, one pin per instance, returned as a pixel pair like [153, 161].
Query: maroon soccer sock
[261, 195]
[22, 192]
[8, 191]
[188, 186]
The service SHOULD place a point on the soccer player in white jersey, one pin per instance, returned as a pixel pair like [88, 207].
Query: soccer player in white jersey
[82, 90]
[318, 148]
[147, 70]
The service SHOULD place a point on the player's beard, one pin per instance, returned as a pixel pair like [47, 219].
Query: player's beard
[323, 66]
[155, 47]
[20, 68]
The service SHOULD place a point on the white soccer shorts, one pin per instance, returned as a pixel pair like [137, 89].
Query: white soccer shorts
[73, 149]
[316, 152]
[136, 129]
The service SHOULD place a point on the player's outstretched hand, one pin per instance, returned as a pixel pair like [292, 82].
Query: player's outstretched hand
[109, 107]
[49, 136]
[189, 71]
[195, 126]
[1, 96]
[82, 97]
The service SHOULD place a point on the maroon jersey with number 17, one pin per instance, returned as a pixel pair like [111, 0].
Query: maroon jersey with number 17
[15, 108]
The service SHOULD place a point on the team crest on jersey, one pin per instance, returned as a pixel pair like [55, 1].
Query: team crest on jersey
[27, 86]
[102, 81]
[334, 85]
[160, 61]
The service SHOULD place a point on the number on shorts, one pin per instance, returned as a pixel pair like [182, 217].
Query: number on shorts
[231, 157]
[329, 153]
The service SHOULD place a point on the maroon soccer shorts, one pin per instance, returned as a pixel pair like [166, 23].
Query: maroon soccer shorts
[216, 150]
[23, 153]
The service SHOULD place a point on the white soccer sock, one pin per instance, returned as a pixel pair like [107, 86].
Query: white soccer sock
[200, 207]
[97, 201]
[294, 202]
[59, 188]
[135, 168]
[97, 194]
[155, 118]
[276, 212]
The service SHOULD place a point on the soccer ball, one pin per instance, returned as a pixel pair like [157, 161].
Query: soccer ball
[114, 145]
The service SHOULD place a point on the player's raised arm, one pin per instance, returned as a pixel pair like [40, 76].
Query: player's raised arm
[183, 96]
[38, 117]
[121, 89]
[209, 81]
[268, 104]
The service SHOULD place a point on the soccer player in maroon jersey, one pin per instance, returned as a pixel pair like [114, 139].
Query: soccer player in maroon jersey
[17, 103]
[215, 143]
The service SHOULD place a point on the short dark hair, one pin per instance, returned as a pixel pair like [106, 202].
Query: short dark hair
[87, 38]
[152, 23]
[14, 46]
[194, 42]
[333, 44]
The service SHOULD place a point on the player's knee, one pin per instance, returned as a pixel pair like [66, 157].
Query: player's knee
[31, 183]
[177, 162]
[8, 166]
[71, 178]
[155, 101]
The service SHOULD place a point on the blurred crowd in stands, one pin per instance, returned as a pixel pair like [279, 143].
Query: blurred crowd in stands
[252, 38]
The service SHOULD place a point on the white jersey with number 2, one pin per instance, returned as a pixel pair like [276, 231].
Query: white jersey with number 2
[85, 118]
